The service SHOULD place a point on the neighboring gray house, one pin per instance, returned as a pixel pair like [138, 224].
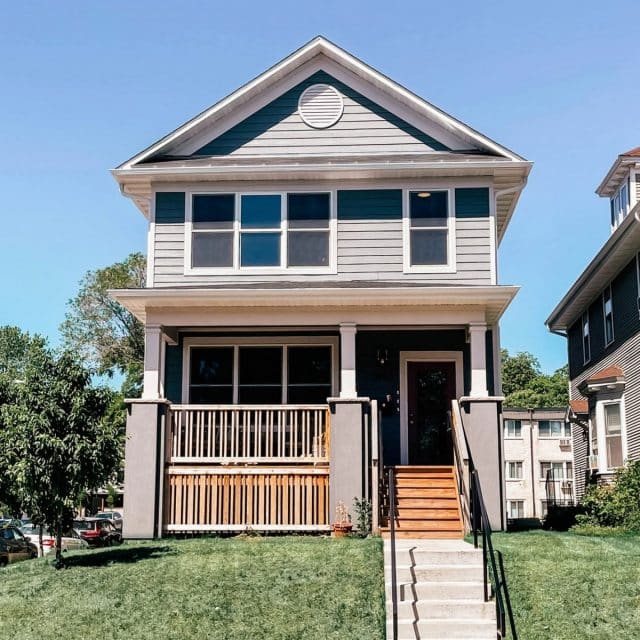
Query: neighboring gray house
[600, 316]
[538, 461]
[322, 251]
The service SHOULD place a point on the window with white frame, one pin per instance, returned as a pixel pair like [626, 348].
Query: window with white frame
[613, 434]
[607, 308]
[586, 338]
[428, 229]
[514, 470]
[259, 374]
[513, 428]
[620, 205]
[251, 231]
[559, 470]
[515, 509]
[553, 429]
[544, 508]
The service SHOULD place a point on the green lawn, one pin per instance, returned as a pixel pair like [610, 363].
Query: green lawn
[227, 589]
[569, 587]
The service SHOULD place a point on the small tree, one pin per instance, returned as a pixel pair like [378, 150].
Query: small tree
[63, 443]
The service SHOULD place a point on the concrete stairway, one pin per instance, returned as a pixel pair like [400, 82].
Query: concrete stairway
[440, 591]
[427, 503]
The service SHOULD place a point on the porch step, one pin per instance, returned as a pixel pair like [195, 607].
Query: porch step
[427, 503]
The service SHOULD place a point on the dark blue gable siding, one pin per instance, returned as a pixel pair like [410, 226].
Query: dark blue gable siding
[169, 207]
[472, 202]
[626, 321]
[370, 204]
[173, 373]
[287, 104]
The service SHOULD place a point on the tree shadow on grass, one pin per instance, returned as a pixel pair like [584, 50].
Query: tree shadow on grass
[118, 555]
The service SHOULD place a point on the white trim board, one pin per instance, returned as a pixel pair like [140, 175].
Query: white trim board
[423, 356]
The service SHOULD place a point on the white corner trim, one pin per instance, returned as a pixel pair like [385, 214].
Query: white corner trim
[423, 356]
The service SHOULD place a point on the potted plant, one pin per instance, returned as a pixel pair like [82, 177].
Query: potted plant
[342, 526]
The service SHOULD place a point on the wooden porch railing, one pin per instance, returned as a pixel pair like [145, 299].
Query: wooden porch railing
[266, 434]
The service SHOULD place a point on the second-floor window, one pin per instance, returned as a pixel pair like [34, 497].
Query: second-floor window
[553, 429]
[559, 470]
[514, 470]
[513, 428]
[607, 307]
[586, 338]
[260, 231]
[619, 205]
[428, 231]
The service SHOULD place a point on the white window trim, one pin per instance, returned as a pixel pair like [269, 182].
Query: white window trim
[259, 341]
[565, 476]
[506, 431]
[236, 269]
[585, 316]
[509, 503]
[552, 437]
[603, 463]
[620, 213]
[450, 267]
[604, 318]
[507, 477]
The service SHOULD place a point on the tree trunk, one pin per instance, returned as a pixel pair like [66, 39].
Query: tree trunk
[59, 562]
[40, 548]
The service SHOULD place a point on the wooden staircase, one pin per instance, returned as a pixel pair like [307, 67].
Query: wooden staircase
[427, 503]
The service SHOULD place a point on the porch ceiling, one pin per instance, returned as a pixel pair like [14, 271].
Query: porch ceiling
[320, 305]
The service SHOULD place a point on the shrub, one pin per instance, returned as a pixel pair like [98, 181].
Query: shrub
[616, 505]
[362, 507]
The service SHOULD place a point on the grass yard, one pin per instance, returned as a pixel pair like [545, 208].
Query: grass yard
[227, 589]
[569, 587]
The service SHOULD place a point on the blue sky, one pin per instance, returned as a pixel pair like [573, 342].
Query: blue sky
[84, 86]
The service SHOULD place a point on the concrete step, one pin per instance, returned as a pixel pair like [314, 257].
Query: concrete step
[445, 609]
[414, 556]
[436, 629]
[424, 591]
[424, 535]
[438, 573]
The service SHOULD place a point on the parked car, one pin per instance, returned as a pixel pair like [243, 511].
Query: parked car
[98, 532]
[14, 546]
[10, 522]
[113, 516]
[71, 540]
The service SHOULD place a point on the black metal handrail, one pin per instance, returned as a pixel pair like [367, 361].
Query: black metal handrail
[392, 529]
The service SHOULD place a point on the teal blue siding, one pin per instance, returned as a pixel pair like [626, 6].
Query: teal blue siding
[370, 204]
[173, 373]
[287, 104]
[169, 207]
[472, 203]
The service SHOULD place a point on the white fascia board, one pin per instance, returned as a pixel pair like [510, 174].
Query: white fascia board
[315, 47]
[611, 181]
[565, 312]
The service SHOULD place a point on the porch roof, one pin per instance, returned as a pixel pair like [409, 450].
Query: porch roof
[350, 301]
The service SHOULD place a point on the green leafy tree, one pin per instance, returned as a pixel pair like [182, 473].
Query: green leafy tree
[101, 330]
[525, 386]
[63, 438]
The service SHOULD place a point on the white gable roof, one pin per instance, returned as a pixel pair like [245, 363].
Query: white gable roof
[319, 53]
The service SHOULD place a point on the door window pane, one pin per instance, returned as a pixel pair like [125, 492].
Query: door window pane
[260, 249]
[308, 248]
[260, 375]
[211, 375]
[309, 372]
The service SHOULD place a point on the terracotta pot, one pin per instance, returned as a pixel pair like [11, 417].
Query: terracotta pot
[342, 529]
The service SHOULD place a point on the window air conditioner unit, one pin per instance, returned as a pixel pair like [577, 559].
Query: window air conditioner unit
[565, 442]
[593, 462]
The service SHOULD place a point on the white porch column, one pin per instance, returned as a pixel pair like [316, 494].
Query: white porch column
[152, 361]
[477, 337]
[348, 360]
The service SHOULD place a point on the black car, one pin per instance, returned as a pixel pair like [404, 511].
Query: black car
[14, 546]
[97, 532]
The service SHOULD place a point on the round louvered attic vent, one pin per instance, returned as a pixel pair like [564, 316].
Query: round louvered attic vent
[320, 106]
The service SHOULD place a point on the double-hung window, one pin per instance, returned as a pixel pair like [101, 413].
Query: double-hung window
[513, 428]
[586, 338]
[428, 227]
[515, 509]
[620, 205]
[607, 308]
[553, 429]
[514, 470]
[613, 434]
[558, 470]
[258, 231]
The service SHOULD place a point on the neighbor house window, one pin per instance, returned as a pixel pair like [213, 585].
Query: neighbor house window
[586, 338]
[429, 228]
[607, 304]
[514, 470]
[515, 509]
[513, 428]
[559, 470]
[553, 429]
[260, 374]
[620, 205]
[613, 434]
[261, 231]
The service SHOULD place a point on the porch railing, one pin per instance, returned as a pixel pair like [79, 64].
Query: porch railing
[246, 434]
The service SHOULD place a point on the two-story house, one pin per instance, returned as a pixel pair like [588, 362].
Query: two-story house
[322, 290]
[600, 316]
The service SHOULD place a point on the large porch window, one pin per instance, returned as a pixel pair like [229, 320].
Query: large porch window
[259, 373]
